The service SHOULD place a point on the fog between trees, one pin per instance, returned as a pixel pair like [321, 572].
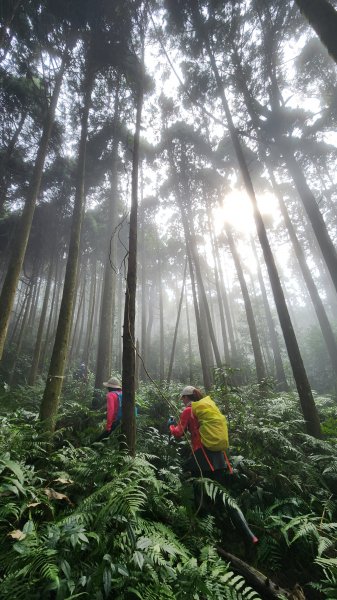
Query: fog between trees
[220, 143]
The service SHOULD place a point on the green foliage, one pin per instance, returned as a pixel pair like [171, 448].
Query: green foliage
[83, 519]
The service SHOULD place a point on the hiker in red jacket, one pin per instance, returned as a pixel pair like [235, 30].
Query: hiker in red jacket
[113, 407]
[113, 399]
[204, 462]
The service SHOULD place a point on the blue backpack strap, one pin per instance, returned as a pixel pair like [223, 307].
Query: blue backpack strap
[119, 413]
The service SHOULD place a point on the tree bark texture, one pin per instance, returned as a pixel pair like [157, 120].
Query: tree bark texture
[38, 343]
[315, 217]
[323, 18]
[327, 332]
[279, 369]
[259, 365]
[22, 235]
[302, 383]
[128, 359]
[105, 334]
[51, 397]
[175, 335]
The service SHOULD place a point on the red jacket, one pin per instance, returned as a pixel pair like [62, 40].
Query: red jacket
[112, 406]
[188, 422]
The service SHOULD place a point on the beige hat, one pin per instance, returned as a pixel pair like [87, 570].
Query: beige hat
[113, 383]
[188, 391]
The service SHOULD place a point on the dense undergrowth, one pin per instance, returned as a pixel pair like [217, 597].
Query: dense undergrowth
[81, 519]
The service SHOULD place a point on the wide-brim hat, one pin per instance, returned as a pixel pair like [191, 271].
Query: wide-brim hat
[113, 382]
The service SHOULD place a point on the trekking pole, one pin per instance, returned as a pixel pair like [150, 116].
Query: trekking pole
[241, 524]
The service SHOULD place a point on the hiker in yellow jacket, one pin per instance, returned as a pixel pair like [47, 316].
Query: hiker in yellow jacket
[209, 439]
[209, 433]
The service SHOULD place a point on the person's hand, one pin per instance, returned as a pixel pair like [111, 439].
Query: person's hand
[171, 421]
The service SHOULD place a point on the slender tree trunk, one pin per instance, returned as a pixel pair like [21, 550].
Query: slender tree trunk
[175, 335]
[35, 300]
[20, 311]
[77, 348]
[323, 320]
[143, 263]
[19, 343]
[50, 318]
[5, 162]
[128, 360]
[260, 369]
[189, 342]
[38, 343]
[152, 296]
[280, 373]
[119, 325]
[91, 313]
[76, 325]
[315, 217]
[105, 335]
[225, 300]
[22, 235]
[323, 18]
[302, 383]
[161, 325]
[218, 291]
[51, 397]
[187, 218]
[201, 334]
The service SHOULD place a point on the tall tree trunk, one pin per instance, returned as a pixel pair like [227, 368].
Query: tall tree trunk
[119, 325]
[187, 219]
[302, 383]
[128, 360]
[225, 300]
[22, 235]
[323, 320]
[201, 333]
[38, 344]
[152, 299]
[189, 342]
[323, 18]
[218, 291]
[20, 311]
[315, 217]
[5, 162]
[91, 311]
[280, 373]
[105, 334]
[175, 335]
[76, 325]
[35, 299]
[143, 338]
[50, 317]
[260, 369]
[161, 324]
[20, 340]
[51, 397]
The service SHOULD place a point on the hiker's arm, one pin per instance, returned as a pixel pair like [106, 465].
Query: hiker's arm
[179, 430]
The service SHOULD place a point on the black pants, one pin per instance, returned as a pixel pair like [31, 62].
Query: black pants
[199, 465]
